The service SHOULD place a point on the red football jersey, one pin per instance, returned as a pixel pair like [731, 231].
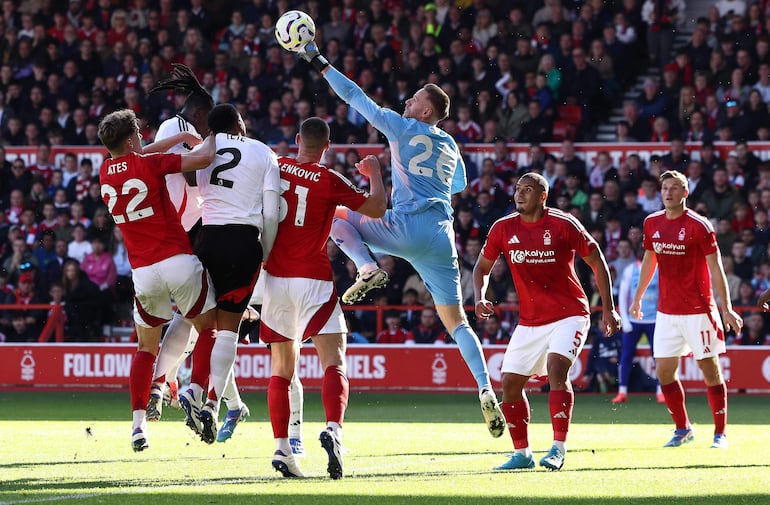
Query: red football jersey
[541, 257]
[309, 195]
[134, 189]
[681, 246]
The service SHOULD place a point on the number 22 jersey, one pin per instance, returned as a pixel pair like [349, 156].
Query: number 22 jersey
[134, 190]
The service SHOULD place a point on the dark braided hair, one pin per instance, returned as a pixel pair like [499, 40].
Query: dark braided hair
[183, 80]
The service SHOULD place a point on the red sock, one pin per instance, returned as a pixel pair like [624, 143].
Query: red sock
[201, 358]
[717, 396]
[560, 403]
[140, 379]
[517, 416]
[278, 405]
[674, 394]
[334, 394]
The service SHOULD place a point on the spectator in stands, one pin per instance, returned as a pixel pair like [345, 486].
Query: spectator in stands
[538, 127]
[722, 196]
[602, 171]
[754, 332]
[493, 332]
[83, 304]
[79, 247]
[742, 265]
[663, 18]
[20, 331]
[582, 86]
[20, 259]
[26, 293]
[394, 333]
[430, 330]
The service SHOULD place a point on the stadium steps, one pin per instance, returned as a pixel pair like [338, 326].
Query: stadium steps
[605, 132]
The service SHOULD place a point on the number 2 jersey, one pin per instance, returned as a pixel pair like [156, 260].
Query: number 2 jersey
[233, 184]
[309, 195]
[541, 257]
[134, 190]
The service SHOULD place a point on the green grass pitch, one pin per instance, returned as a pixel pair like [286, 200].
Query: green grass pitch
[426, 449]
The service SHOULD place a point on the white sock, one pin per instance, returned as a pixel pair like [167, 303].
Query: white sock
[222, 359]
[562, 446]
[623, 389]
[296, 401]
[231, 395]
[335, 427]
[282, 444]
[526, 452]
[139, 419]
[176, 341]
[197, 392]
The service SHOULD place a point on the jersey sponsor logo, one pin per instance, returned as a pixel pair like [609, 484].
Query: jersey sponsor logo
[669, 248]
[514, 240]
[302, 173]
[656, 235]
[533, 257]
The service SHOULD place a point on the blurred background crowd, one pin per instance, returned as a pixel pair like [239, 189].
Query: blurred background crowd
[529, 72]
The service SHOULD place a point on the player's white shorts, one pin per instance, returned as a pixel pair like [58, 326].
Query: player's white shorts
[181, 277]
[528, 349]
[677, 335]
[297, 308]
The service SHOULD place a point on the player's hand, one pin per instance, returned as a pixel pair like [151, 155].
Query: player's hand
[764, 300]
[732, 320]
[484, 309]
[368, 165]
[635, 310]
[192, 139]
[309, 51]
[612, 323]
[250, 314]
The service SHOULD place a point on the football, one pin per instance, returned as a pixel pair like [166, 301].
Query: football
[294, 30]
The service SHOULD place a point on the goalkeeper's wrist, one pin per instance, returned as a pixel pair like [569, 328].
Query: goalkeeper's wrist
[319, 63]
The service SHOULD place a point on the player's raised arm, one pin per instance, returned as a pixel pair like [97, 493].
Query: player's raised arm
[385, 120]
[376, 204]
[161, 146]
[201, 156]
[270, 209]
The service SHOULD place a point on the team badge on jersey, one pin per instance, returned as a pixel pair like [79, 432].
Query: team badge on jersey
[547, 237]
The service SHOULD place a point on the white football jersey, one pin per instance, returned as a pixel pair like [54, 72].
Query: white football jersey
[233, 184]
[186, 199]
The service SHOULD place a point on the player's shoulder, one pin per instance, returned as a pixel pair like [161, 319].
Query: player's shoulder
[655, 216]
[698, 220]
[564, 218]
[173, 125]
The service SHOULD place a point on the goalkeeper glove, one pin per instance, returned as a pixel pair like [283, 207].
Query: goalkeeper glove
[310, 54]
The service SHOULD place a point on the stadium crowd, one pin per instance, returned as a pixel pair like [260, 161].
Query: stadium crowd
[513, 70]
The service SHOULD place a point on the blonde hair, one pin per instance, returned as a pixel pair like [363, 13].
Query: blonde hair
[674, 174]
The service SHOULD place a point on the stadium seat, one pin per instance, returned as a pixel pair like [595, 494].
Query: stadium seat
[563, 130]
[571, 114]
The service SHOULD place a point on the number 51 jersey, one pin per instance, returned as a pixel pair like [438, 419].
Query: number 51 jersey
[134, 190]
[233, 184]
